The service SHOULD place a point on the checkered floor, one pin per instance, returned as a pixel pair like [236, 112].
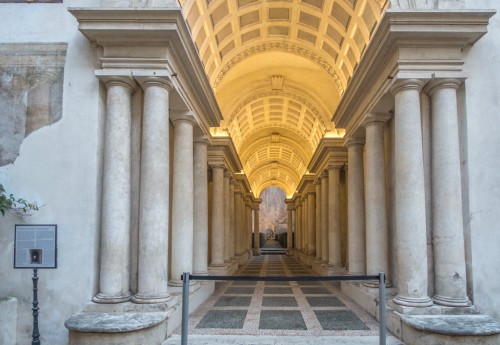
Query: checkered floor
[280, 308]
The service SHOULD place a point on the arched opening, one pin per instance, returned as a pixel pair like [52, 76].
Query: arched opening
[273, 220]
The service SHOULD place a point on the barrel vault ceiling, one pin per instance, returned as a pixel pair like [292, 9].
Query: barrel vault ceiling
[279, 70]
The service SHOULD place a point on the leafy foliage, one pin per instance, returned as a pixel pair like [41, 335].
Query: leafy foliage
[19, 206]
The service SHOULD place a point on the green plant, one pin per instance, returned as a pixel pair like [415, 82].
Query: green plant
[19, 206]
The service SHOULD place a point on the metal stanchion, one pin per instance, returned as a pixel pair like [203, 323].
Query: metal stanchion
[36, 333]
[381, 305]
[185, 307]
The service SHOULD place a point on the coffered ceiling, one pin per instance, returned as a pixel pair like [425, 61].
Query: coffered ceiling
[279, 70]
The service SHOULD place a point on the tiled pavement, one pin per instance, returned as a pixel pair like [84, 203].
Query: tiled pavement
[281, 308]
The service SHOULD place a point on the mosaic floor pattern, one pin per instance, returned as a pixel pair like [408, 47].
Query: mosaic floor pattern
[280, 308]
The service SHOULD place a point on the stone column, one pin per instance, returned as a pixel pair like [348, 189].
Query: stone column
[356, 209]
[114, 281]
[200, 207]
[232, 226]
[227, 236]
[217, 250]
[377, 237]
[256, 231]
[182, 198]
[318, 219]
[289, 232]
[305, 226]
[410, 197]
[334, 216]
[152, 284]
[324, 218]
[298, 228]
[237, 226]
[249, 229]
[39, 96]
[447, 218]
[311, 225]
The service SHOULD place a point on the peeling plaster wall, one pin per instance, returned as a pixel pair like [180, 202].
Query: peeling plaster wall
[482, 121]
[58, 165]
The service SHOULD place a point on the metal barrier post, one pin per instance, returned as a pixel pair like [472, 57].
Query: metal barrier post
[381, 305]
[185, 307]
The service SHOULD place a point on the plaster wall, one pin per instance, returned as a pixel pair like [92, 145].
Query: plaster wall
[482, 120]
[58, 166]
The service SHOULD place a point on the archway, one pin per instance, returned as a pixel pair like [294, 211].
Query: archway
[273, 220]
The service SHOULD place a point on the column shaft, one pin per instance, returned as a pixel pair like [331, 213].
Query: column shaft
[311, 224]
[256, 249]
[324, 219]
[410, 197]
[227, 236]
[289, 232]
[154, 194]
[182, 200]
[217, 250]
[334, 216]
[356, 210]
[200, 208]
[232, 229]
[116, 188]
[318, 220]
[377, 258]
[447, 217]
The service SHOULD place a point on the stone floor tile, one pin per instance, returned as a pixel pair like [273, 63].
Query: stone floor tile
[233, 301]
[315, 301]
[279, 302]
[282, 319]
[277, 290]
[315, 291]
[223, 319]
[240, 290]
[339, 320]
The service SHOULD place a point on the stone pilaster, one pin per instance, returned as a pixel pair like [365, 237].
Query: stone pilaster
[114, 279]
[450, 278]
[289, 229]
[232, 223]
[356, 208]
[200, 207]
[152, 284]
[377, 236]
[182, 198]
[410, 197]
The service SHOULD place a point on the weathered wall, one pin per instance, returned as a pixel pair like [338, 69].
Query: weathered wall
[58, 166]
[482, 121]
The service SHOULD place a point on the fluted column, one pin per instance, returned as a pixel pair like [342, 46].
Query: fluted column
[200, 207]
[324, 218]
[356, 209]
[227, 220]
[152, 285]
[410, 197]
[377, 254]
[447, 218]
[114, 279]
[182, 198]
[317, 229]
[256, 231]
[217, 244]
[311, 225]
[232, 225]
[334, 216]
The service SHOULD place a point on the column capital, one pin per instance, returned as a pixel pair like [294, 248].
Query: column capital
[124, 80]
[227, 174]
[201, 139]
[184, 116]
[159, 81]
[406, 84]
[380, 118]
[442, 83]
[354, 141]
[335, 166]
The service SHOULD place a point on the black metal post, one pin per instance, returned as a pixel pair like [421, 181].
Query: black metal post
[185, 308]
[381, 313]
[36, 333]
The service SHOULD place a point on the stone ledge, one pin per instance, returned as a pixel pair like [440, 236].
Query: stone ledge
[455, 325]
[113, 322]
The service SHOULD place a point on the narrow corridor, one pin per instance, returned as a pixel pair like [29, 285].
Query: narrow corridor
[280, 308]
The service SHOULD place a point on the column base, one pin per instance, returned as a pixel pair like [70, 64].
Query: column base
[420, 302]
[111, 299]
[332, 270]
[201, 273]
[451, 302]
[256, 251]
[150, 298]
